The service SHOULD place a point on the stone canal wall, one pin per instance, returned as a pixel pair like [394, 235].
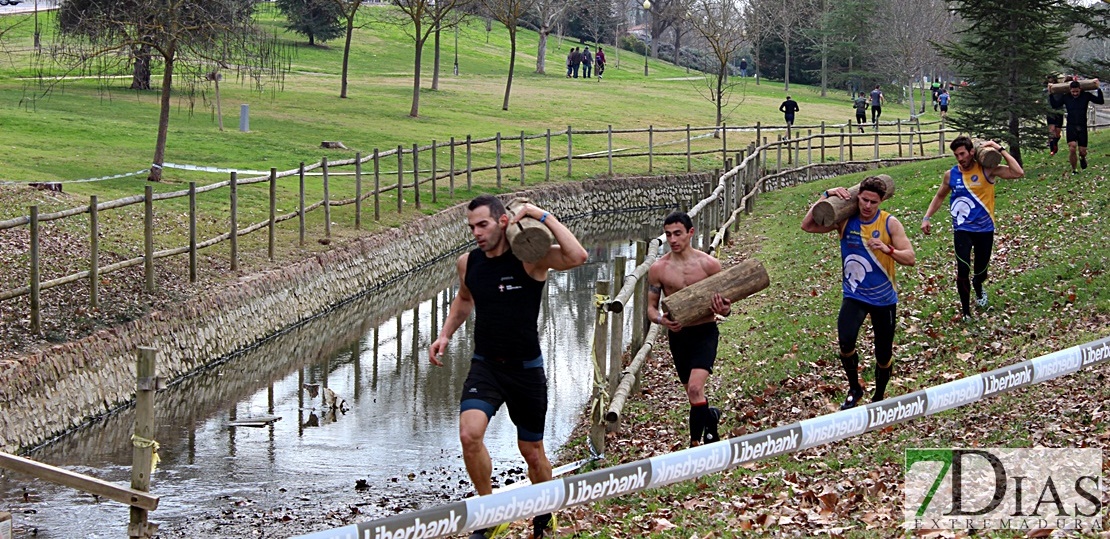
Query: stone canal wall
[51, 391]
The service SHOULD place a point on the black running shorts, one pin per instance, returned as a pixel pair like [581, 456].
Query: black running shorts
[694, 347]
[523, 391]
[1078, 136]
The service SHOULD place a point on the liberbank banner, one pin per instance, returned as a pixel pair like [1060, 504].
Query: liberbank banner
[523, 503]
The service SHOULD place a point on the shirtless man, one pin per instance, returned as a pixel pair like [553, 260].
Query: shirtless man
[693, 347]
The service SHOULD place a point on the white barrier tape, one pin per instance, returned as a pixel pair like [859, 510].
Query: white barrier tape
[215, 169]
[525, 502]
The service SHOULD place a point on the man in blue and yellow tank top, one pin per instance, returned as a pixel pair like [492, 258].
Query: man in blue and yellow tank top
[871, 242]
[972, 206]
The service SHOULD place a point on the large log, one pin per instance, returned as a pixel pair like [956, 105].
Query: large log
[529, 238]
[695, 302]
[1065, 87]
[988, 157]
[832, 210]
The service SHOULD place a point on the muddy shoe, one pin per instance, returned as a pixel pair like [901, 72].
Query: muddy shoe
[499, 530]
[1083, 162]
[711, 434]
[544, 526]
[852, 400]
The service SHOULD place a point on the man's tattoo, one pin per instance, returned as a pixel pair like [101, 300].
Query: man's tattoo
[653, 288]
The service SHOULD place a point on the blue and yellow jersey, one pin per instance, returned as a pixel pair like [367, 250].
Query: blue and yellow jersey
[972, 200]
[868, 275]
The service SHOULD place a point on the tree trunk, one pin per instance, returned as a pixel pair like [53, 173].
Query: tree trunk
[833, 210]
[677, 45]
[311, 39]
[824, 67]
[163, 118]
[695, 302]
[346, 55]
[512, 66]
[786, 73]
[140, 76]
[530, 239]
[721, 71]
[541, 50]
[435, 68]
[415, 111]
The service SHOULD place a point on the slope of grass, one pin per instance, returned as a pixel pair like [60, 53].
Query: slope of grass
[777, 361]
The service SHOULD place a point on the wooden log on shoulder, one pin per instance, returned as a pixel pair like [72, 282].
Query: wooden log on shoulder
[833, 210]
[988, 157]
[529, 238]
[1065, 87]
[695, 302]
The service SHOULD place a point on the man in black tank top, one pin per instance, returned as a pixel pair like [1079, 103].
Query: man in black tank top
[507, 365]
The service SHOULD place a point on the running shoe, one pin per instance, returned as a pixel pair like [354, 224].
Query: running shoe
[854, 396]
[982, 300]
[1082, 161]
[499, 530]
[711, 434]
[544, 526]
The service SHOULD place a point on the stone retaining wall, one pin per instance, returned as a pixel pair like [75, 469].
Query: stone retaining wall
[50, 391]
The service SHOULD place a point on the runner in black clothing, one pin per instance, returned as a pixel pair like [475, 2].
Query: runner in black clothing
[507, 365]
[860, 104]
[788, 108]
[1075, 102]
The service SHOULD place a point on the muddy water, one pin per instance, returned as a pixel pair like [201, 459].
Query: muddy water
[398, 433]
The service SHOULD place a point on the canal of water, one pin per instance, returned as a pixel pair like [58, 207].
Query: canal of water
[399, 434]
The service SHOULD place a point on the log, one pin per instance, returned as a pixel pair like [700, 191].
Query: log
[695, 302]
[529, 238]
[832, 210]
[1065, 87]
[988, 157]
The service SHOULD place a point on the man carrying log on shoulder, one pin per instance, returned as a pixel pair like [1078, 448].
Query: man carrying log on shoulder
[972, 208]
[871, 242]
[1075, 102]
[693, 346]
[507, 365]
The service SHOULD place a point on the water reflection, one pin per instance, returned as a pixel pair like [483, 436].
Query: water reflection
[396, 427]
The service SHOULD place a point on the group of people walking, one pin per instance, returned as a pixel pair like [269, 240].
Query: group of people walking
[585, 61]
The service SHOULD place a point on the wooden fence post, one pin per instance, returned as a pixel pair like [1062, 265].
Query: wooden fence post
[327, 197]
[778, 146]
[192, 232]
[435, 173]
[841, 144]
[920, 139]
[416, 175]
[570, 152]
[300, 204]
[822, 141]
[358, 189]
[378, 186]
[36, 319]
[911, 141]
[877, 146]
[469, 168]
[758, 132]
[941, 137]
[273, 212]
[598, 425]
[522, 158]
[616, 327]
[94, 249]
[809, 146]
[401, 175]
[899, 138]
[451, 171]
[148, 238]
[142, 455]
[651, 147]
[851, 145]
[547, 158]
[497, 158]
[610, 131]
[234, 225]
[688, 166]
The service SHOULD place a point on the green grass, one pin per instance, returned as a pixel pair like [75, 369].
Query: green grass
[776, 362]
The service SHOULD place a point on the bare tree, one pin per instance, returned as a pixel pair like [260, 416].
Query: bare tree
[598, 18]
[548, 14]
[421, 18]
[784, 19]
[508, 13]
[718, 23]
[910, 29]
[349, 9]
[191, 38]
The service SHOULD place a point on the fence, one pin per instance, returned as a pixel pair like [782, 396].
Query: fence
[415, 185]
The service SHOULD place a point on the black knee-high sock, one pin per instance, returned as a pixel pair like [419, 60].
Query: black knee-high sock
[698, 416]
[851, 370]
[963, 286]
[882, 377]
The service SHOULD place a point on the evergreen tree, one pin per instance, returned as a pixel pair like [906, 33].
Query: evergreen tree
[1004, 52]
[314, 19]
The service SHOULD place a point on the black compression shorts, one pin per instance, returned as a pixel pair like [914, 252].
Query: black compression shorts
[1055, 119]
[1076, 135]
[522, 390]
[694, 347]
